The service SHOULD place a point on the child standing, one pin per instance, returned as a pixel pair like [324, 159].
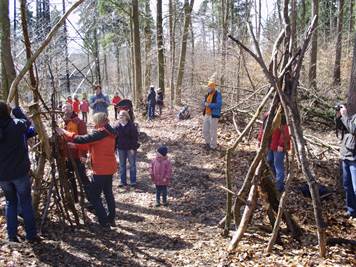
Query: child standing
[84, 108]
[161, 174]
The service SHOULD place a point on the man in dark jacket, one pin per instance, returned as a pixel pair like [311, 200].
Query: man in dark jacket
[14, 170]
[151, 103]
[348, 157]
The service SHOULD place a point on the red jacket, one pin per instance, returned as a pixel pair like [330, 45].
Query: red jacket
[84, 106]
[101, 145]
[77, 127]
[116, 100]
[161, 171]
[280, 137]
[76, 104]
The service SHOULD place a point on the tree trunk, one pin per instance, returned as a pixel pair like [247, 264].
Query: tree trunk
[314, 47]
[148, 44]
[225, 17]
[351, 22]
[172, 46]
[96, 51]
[118, 73]
[187, 11]
[293, 26]
[160, 46]
[66, 48]
[352, 88]
[7, 63]
[337, 71]
[137, 52]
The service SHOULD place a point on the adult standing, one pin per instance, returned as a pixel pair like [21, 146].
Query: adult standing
[14, 171]
[126, 146]
[116, 99]
[159, 101]
[212, 111]
[100, 143]
[348, 157]
[99, 102]
[151, 103]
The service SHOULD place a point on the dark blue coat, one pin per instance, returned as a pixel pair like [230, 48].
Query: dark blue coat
[127, 136]
[151, 98]
[14, 160]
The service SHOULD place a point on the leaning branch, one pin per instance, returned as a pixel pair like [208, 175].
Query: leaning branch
[45, 43]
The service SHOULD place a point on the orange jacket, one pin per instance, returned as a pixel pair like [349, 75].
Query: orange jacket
[101, 145]
[77, 127]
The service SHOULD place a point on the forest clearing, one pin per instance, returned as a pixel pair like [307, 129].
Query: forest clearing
[178, 133]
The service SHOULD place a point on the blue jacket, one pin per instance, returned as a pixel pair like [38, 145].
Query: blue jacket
[215, 105]
[14, 160]
[127, 136]
[101, 106]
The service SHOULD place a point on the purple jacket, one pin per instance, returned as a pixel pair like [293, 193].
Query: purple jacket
[161, 171]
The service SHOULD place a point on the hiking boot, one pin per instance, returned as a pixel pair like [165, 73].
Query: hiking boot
[206, 146]
[37, 239]
[14, 239]
[157, 205]
[165, 204]
[112, 223]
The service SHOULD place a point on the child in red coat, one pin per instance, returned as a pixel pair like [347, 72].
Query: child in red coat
[161, 174]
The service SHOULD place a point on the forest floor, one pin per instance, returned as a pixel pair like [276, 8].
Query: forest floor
[185, 233]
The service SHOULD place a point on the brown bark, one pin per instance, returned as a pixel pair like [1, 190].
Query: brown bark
[160, 46]
[352, 88]
[337, 71]
[7, 63]
[314, 47]
[148, 44]
[137, 52]
[187, 13]
[172, 46]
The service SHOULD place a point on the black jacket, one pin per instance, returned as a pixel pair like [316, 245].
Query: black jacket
[14, 160]
[151, 98]
[348, 144]
[127, 136]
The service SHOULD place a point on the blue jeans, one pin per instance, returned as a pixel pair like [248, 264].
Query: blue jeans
[276, 160]
[161, 190]
[103, 183]
[349, 181]
[151, 111]
[129, 155]
[19, 190]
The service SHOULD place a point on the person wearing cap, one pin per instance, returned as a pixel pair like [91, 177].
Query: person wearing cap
[151, 103]
[126, 147]
[161, 174]
[159, 100]
[99, 102]
[211, 111]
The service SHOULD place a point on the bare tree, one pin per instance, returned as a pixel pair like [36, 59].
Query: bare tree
[7, 63]
[314, 46]
[137, 52]
[187, 12]
[352, 88]
[148, 44]
[160, 46]
[337, 71]
[172, 45]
